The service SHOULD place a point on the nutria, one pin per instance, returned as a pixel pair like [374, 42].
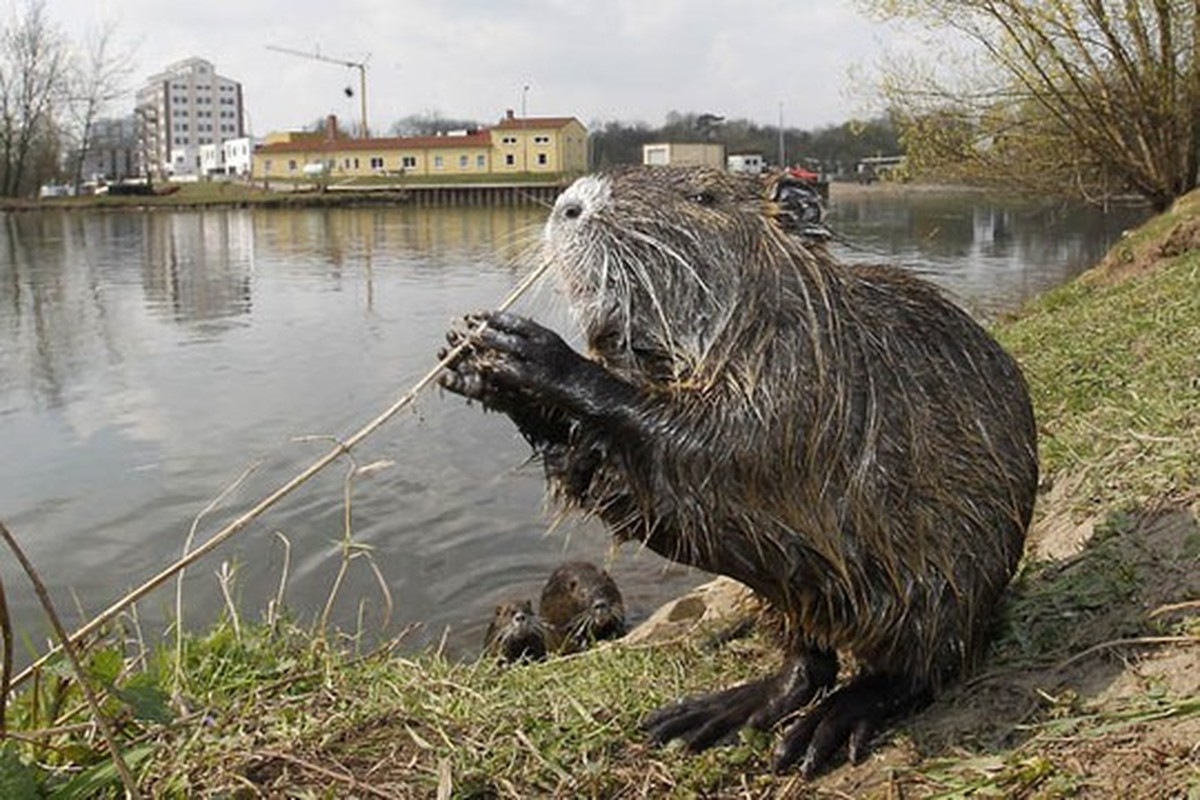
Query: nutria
[844, 440]
[515, 633]
[582, 605]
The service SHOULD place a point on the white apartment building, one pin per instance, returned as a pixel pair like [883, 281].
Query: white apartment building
[179, 110]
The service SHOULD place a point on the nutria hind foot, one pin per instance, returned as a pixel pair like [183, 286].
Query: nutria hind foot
[712, 719]
[850, 716]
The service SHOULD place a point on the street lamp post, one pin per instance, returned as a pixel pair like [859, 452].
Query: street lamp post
[782, 154]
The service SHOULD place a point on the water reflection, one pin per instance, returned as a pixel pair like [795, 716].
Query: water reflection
[197, 266]
[148, 358]
[992, 254]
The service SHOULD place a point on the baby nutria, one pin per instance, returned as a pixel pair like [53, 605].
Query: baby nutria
[844, 440]
[582, 605]
[515, 633]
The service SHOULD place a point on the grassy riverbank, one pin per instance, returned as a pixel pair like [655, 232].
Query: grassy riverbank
[1091, 691]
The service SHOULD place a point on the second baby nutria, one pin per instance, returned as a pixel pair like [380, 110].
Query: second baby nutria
[844, 440]
[582, 605]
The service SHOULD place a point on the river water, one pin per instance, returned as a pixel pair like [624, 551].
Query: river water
[148, 360]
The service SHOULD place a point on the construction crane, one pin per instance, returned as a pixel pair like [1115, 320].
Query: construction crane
[361, 66]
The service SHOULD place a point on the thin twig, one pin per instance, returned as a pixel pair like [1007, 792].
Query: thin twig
[348, 780]
[85, 682]
[6, 641]
[283, 491]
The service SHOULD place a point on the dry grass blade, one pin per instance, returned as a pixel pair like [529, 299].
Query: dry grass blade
[81, 675]
[348, 780]
[1137, 641]
[283, 491]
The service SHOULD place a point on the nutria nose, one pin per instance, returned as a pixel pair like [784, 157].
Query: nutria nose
[520, 617]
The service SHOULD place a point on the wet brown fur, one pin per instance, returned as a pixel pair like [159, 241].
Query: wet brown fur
[844, 440]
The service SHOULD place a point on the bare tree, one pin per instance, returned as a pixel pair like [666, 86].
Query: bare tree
[99, 77]
[1095, 97]
[34, 63]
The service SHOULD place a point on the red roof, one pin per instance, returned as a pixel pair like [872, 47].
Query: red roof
[478, 139]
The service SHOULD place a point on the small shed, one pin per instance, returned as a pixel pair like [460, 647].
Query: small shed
[749, 163]
[702, 154]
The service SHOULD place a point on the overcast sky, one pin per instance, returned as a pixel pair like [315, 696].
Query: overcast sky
[630, 60]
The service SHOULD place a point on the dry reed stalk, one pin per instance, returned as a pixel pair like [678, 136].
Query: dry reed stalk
[348, 549]
[275, 605]
[187, 545]
[85, 681]
[283, 491]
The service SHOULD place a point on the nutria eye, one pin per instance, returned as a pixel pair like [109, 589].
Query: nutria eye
[703, 198]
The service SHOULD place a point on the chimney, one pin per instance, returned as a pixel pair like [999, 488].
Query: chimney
[331, 130]
[508, 114]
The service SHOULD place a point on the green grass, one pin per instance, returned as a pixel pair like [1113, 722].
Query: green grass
[1114, 368]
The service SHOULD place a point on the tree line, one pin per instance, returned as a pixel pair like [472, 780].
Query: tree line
[52, 93]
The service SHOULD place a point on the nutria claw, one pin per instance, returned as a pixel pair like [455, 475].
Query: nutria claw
[849, 716]
[712, 719]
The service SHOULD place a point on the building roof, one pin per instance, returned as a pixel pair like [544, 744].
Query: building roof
[478, 139]
[522, 123]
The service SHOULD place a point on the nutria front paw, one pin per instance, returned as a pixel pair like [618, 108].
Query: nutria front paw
[504, 356]
[509, 361]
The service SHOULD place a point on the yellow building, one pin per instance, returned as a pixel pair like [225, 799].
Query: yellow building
[538, 145]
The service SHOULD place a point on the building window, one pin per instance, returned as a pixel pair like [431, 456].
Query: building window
[541, 140]
[437, 162]
[267, 166]
[509, 140]
[481, 161]
[464, 162]
[376, 162]
[408, 162]
[543, 159]
[291, 165]
[510, 160]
